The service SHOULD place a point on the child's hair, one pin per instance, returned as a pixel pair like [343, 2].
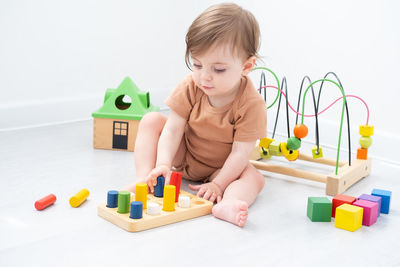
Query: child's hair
[223, 23]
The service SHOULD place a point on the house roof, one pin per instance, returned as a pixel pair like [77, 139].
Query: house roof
[115, 107]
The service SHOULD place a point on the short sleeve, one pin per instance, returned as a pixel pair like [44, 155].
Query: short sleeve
[182, 98]
[251, 122]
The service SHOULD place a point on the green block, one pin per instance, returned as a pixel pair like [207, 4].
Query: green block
[274, 149]
[319, 209]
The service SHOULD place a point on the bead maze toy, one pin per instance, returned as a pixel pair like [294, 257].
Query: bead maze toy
[116, 123]
[346, 173]
[143, 211]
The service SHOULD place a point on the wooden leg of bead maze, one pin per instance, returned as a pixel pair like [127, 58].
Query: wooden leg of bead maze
[347, 176]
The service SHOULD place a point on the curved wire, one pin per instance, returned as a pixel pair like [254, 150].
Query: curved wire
[276, 79]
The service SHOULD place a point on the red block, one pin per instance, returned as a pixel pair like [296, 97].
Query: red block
[176, 179]
[45, 202]
[340, 200]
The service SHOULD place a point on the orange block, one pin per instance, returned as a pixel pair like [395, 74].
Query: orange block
[362, 153]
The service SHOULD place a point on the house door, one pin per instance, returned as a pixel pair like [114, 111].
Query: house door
[120, 135]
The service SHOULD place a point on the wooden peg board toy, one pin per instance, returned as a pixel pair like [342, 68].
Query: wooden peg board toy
[198, 207]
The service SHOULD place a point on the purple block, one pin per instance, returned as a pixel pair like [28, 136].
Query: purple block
[370, 213]
[372, 199]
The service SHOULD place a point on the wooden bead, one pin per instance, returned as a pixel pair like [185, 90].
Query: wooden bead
[366, 130]
[264, 142]
[362, 153]
[300, 131]
[290, 155]
[274, 149]
[365, 141]
[264, 153]
[316, 154]
[293, 143]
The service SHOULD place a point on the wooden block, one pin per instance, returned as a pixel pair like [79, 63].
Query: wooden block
[314, 152]
[366, 130]
[319, 209]
[198, 207]
[339, 200]
[385, 195]
[264, 153]
[372, 198]
[274, 149]
[362, 153]
[265, 142]
[370, 211]
[348, 217]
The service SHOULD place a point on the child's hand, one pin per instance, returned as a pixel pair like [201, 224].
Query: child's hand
[209, 191]
[151, 179]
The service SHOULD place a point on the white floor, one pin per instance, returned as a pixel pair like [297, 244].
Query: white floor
[60, 160]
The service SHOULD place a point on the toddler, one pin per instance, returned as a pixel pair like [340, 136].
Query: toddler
[216, 116]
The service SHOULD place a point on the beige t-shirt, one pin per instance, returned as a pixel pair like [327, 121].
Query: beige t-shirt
[210, 132]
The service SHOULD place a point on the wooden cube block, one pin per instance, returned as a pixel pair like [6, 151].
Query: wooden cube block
[385, 195]
[348, 217]
[264, 153]
[339, 200]
[274, 148]
[366, 130]
[370, 211]
[362, 153]
[319, 209]
[372, 198]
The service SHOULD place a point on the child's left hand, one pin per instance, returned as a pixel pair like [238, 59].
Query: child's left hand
[209, 191]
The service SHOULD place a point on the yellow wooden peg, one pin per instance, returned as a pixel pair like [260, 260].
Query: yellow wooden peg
[274, 149]
[264, 153]
[169, 198]
[264, 142]
[316, 154]
[79, 198]
[141, 194]
[290, 155]
[366, 130]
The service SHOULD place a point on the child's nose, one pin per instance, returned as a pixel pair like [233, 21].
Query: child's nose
[206, 75]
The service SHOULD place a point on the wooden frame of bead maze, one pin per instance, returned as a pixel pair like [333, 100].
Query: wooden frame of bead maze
[345, 174]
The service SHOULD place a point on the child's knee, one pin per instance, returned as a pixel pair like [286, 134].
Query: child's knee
[260, 179]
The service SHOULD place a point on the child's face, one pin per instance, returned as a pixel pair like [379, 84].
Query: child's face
[218, 71]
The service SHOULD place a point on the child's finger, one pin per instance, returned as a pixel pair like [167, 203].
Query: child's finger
[207, 195]
[213, 197]
[194, 187]
[219, 198]
[201, 192]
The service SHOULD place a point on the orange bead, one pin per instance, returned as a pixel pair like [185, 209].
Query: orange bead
[300, 131]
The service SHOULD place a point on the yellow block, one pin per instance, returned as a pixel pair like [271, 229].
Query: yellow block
[348, 217]
[169, 198]
[264, 142]
[366, 130]
[274, 149]
[314, 152]
[264, 153]
[141, 194]
[79, 198]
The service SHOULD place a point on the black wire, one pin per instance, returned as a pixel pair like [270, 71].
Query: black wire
[263, 82]
[284, 84]
[347, 109]
[315, 110]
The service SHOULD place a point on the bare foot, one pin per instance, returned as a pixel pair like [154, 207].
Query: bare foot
[232, 210]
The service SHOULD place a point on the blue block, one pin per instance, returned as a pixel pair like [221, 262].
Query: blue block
[136, 210]
[112, 199]
[385, 195]
[159, 188]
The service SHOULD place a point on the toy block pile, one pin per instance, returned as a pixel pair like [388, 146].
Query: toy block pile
[350, 213]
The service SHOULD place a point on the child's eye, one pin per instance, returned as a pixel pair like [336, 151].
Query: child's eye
[197, 66]
[219, 70]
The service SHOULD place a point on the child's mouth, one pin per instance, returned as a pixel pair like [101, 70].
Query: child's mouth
[207, 87]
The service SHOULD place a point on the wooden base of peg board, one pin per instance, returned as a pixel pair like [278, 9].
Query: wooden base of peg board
[198, 207]
[335, 183]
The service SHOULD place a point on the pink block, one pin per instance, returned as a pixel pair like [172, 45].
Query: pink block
[370, 213]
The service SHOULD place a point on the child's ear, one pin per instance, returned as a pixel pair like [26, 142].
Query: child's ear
[249, 65]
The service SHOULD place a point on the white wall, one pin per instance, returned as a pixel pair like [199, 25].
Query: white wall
[58, 57]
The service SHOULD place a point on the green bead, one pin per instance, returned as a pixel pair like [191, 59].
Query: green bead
[293, 143]
[365, 141]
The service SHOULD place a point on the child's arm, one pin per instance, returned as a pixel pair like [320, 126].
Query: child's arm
[168, 144]
[234, 165]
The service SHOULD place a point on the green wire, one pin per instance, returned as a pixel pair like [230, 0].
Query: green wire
[341, 119]
[277, 81]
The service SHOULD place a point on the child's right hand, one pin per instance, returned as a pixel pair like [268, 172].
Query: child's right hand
[151, 179]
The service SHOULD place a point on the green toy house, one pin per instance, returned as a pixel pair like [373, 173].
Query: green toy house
[116, 123]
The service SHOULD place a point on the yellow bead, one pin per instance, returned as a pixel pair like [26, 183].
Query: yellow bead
[365, 141]
[366, 130]
[290, 155]
[264, 153]
[314, 152]
[274, 149]
[264, 142]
